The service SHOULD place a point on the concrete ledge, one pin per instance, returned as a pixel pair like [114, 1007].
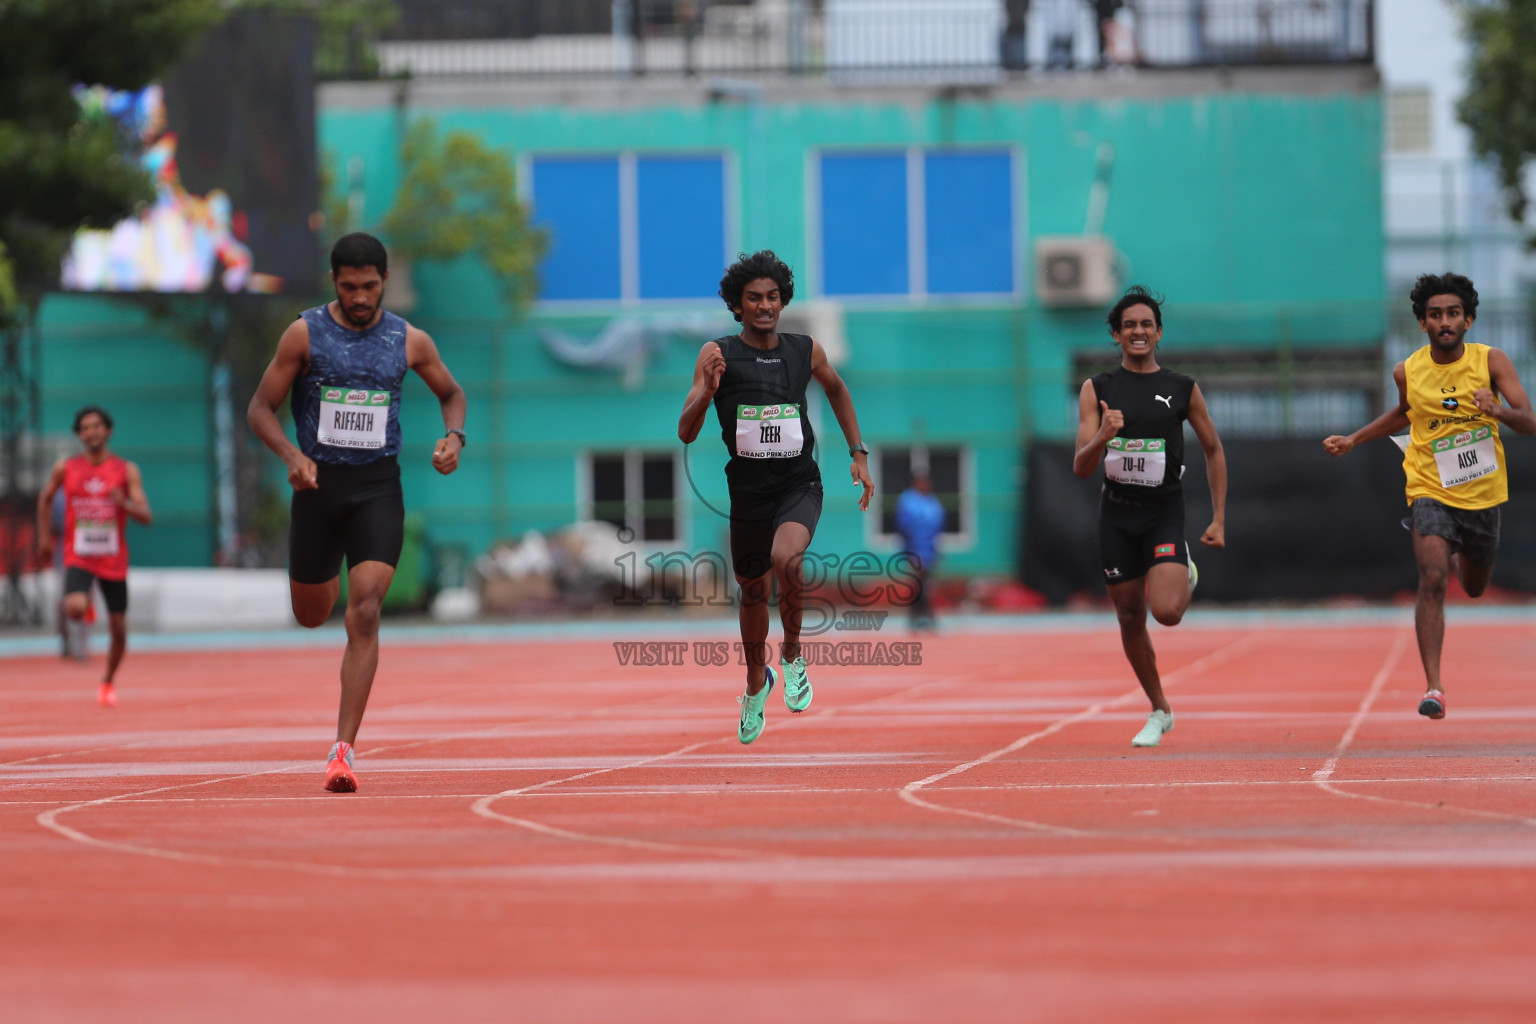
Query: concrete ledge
[617, 92]
[175, 600]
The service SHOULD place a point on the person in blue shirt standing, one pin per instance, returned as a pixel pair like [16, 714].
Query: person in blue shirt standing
[919, 521]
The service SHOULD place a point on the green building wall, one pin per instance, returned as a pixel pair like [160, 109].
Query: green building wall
[109, 352]
[1257, 213]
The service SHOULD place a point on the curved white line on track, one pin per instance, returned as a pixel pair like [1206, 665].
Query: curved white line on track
[909, 791]
[1323, 776]
[482, 807]
[50, 819]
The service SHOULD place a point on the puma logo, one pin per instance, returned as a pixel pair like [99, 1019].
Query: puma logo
[1166, 401]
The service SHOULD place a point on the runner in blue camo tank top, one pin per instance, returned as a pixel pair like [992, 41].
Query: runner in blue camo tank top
[346, 403]
[343, 363]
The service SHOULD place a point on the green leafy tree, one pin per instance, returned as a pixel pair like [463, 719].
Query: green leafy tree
[59, 170]
[1500, 103]
[459, 198]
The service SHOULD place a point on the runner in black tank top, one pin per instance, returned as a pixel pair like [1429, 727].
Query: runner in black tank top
[343, 363]
[756, 381]
[1132, 421]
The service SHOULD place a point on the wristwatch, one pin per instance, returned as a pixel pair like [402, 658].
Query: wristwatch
[463, 441]
[860, 447]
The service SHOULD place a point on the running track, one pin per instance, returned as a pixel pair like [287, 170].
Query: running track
[545, 836]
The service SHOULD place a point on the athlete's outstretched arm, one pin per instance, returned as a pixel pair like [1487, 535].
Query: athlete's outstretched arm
[134, 502]
[842, 407]
[1516, 414]
[1097, 425]
[708, 368]
[45, 511]
[1215, 535]
[291, 358]
[421, 352]
[1390, 422]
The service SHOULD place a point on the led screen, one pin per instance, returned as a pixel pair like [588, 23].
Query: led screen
[229, 140]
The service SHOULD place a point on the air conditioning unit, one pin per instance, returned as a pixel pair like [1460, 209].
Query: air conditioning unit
[1076, 270]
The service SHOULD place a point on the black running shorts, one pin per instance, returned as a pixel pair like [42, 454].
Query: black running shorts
[357, 511]
[1134, 538]
[754, 521]
[1473, 533]
[113, 592]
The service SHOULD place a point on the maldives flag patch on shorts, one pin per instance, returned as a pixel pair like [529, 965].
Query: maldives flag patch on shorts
[1165, 551]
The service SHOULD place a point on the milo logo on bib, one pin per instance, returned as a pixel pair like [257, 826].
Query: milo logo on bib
[1136, 461]
[353, 417]
[1467, 456]
[768, 431]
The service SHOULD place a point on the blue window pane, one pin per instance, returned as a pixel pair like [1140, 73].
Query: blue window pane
[970, 222]
[864, 224]
[682, 226]
[577, 201]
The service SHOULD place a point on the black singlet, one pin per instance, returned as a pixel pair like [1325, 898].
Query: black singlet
[1145, 461]
[762, 411]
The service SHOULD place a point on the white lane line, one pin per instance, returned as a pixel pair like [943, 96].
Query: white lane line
[1394, 654]
[910, 790]
[633, 792]
[482, 807]
[50, 819]
[1323, 776]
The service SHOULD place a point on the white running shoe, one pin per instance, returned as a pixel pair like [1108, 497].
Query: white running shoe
[1194, 575]
[1158, 722]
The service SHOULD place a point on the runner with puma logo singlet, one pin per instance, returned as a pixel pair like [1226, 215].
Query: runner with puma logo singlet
[1142, 548]
[343, 363]
[1448, 399]
[757, 382]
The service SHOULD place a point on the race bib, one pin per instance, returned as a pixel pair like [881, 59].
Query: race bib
[353, 417]
[95, 539]
[1139, 462]
[1465, 457]
[768, 431]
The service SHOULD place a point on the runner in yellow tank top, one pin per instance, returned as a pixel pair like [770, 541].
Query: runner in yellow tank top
[1448, 397]
[1454, 454]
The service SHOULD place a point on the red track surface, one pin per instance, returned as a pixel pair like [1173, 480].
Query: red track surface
[543, 836]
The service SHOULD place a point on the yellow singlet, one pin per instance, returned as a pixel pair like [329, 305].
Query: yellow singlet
[1455, 455]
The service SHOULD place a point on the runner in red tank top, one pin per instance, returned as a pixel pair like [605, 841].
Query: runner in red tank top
[101, 491]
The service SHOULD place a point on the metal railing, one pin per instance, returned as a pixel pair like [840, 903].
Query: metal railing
[850, 38]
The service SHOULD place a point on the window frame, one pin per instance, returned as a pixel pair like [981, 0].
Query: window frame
[917, 224]
[628, 161]
[634, 506]
[965, 540]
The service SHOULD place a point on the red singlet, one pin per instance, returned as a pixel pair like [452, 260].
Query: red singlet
[94, 524]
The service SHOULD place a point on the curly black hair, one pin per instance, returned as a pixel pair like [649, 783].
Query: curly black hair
[359, 250]
[1430, 285]
[749, 268]
[1136, 295]
[92, 410]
